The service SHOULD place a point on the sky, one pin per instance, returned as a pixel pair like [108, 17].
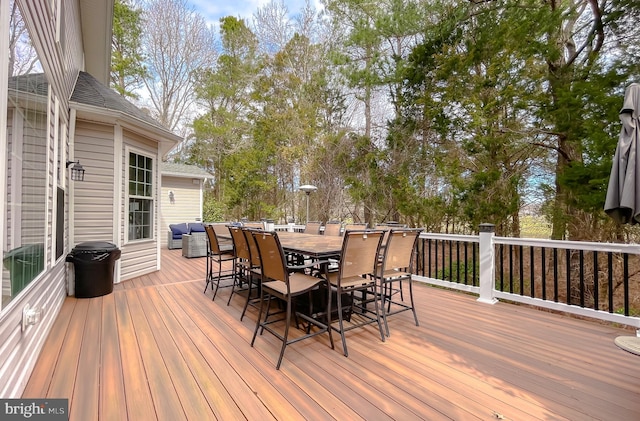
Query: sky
[213, 10]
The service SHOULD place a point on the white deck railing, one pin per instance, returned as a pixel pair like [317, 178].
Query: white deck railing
[486, 244]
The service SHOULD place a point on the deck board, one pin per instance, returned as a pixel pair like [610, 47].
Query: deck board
[113, 402]
[43, 373]
[136, 388]
[158, 348]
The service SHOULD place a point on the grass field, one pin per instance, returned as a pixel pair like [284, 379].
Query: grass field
[534, 227]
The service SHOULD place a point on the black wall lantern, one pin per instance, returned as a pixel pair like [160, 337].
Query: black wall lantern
[77, 171]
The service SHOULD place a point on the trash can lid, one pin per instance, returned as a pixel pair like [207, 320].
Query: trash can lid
[94, 247]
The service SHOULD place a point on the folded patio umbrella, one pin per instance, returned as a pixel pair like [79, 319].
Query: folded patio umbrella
[623, 194]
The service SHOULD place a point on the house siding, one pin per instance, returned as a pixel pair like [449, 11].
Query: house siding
[138, 257]
[93, 198]
[187, 204]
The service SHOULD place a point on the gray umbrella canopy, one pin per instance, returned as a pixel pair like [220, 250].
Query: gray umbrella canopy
[623, 194]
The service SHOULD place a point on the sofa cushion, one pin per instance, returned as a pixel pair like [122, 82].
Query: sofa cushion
[177, 230]
[196, 227]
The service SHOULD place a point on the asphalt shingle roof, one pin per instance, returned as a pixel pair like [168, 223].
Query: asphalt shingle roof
[91, 92]
[87, 91]
[183, 170]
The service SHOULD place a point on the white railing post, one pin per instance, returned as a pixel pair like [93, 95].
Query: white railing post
[487, 264]
[290, 226]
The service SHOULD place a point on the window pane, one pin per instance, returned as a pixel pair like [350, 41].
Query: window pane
[140, 185]
[23, 255]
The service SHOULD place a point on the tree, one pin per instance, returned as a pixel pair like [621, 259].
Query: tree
[23, 58]
[176, 42]
[223, 129]
[127, 67]
[501, 87]
[377, 37]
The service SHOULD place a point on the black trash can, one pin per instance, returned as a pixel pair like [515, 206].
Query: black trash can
[93, 263]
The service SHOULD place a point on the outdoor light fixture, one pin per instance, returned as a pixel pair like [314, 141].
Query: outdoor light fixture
[77, 172]
[308, 188]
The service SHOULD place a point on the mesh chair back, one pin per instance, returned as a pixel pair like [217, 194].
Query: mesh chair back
[312, 227]
[386, 228]
[214, 246]
[221, 229]
[253, 248]
[332, 228]
[272, 258]
[359, 253]
[240, 243]
[355, 226]
[399, 249]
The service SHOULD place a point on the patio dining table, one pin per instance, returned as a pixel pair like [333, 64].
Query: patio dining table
[313, 245]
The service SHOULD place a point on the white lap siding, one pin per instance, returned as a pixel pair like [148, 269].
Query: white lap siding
[140, 256]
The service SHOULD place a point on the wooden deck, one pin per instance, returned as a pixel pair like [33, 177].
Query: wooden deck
[158, 348]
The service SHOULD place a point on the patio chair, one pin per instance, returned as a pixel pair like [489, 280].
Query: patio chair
[396, 266]
[358, 259]
[386, 227]
[332, 228]
[254, 278]
[355, 226]
[217, 253]
[243, 262]
[255, 225]
[279, 281]
[312, 227]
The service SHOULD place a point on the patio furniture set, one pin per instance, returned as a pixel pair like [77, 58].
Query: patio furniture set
[289, 278]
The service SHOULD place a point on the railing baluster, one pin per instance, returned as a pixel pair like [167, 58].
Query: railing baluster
[450, 243]
[625, 282]
[544, 272]
[435, 259]
[458, 261]
[521, 269]
[581, 254]
[610, 280]
[511, 268]
[555, 275]
[532, 272]
[568, 274]
[466, 264]
[501, 267]
[596, 281]
[443, 260]
[474, 257]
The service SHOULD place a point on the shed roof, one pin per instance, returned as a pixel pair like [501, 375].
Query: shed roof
[183, 170]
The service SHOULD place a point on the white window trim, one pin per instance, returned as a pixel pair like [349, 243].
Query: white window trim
[137, 151]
